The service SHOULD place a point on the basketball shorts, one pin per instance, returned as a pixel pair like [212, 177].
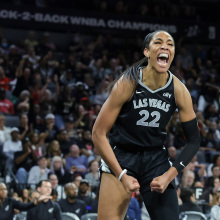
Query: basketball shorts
[142, 165]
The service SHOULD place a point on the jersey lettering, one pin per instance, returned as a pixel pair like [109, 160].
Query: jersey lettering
[154, 103]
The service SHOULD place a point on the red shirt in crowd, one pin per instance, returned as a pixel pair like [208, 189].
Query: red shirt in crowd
[6, 106]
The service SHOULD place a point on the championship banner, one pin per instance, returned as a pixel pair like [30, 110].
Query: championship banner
[70, 21]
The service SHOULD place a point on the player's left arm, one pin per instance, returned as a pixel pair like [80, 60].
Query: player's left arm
[191, 132]
[189, 125]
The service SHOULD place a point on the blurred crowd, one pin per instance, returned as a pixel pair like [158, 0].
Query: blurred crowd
[53, 96]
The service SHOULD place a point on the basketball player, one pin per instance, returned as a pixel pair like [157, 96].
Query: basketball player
[135, 115]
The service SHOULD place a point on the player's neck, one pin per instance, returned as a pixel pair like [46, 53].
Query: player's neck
[154, 80]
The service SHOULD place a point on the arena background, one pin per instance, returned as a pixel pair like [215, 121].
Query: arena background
[72, 51]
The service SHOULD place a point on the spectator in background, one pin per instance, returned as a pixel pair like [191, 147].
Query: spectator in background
[188, 179]
[24, 195]
[49, 100]
[101, 92]
[172, 153]
[75, 159]
[23, 77]
[199, 169]
[24, 160]
[70, 127]
[71, 203]
[188, 198]
[37, 143]
[215, 210]
[65, 105]
[215, 162]
[50, 130]
[31, 41]
[215, 174]
[4, 82]
[82, 194]
[4, 131]
[54, 195]
[6, 106]
[39, 172]
[23, 127]
[32, 195]
[9, 204]
[86, 144]
[175, 132]
[93, 175]
[14, 57]
[65, 142]
[209, 144]
[23, 103]
[56, 167]
[47, 210]
[54, 150]
[216, 185]
[77, 179]
[211, 114]
[59, 189]
[134, 211]
[9, 149]
[67, 77]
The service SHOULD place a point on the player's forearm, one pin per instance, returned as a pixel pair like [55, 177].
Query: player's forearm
[192, 135]
[171, 173]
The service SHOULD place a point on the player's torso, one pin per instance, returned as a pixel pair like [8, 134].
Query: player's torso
[142, 120]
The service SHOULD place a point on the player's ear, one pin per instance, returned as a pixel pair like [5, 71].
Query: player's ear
[146, 53]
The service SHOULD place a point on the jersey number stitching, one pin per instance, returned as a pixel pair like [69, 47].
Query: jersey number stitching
[143, 120]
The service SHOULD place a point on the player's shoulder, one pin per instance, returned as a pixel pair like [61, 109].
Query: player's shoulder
[179, 88]
[123, 88]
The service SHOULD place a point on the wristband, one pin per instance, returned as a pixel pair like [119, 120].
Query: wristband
[122, 173]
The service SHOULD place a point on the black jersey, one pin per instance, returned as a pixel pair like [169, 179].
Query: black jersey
[143, 119]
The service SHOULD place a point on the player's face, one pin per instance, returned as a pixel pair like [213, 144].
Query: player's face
[161, 52]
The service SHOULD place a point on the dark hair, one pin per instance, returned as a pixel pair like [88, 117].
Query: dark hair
[149, 37]
[185, 194]
[31, 192]
[90, 163]
[214, 166]
[215, 157]
[54, 192]
[131, 74]
[41, 182]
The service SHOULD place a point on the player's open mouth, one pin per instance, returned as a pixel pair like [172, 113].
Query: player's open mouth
[163, 59]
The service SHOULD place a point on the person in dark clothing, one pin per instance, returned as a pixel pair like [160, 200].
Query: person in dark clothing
[7, 205]
[71, 204]
[47, 210]
[188, 198]
[82, 194]
[24, 160]
[209, 183]
[130, 134]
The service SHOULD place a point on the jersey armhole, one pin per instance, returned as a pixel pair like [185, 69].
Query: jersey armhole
[174, 90]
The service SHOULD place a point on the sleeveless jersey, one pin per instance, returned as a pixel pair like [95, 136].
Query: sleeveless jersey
[143, 119]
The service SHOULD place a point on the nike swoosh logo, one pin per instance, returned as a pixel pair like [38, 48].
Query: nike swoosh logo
[181, 163]
[138, 92]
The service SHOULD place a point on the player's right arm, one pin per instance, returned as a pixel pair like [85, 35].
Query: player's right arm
[121, 93]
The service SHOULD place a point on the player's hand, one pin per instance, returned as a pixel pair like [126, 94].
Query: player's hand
[159, 184]
[130, 183]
